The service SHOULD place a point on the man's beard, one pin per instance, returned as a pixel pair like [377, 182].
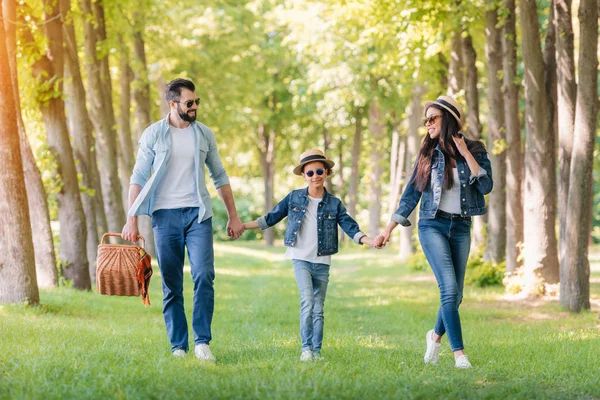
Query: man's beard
[185, 116]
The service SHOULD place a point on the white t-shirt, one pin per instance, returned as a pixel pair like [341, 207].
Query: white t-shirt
[306, 245]
[450, 200]
[177, 188]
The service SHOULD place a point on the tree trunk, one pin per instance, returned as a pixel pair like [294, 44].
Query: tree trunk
[125, 151]
[376, 128]
[141, 96]
[456, 73]
[567, 92]
[414, 115]
[326, 148]
[266, 148]
[354, 176]
[80, 127]
[575, 285]
[164, 106]
[550, 77]
[540, 253]
[397, 159]
[73, 234]
[495, 249]
[45, 257]
[341, 184]
[18, 282]
[473, 125]
[103, 117]
[514, 166]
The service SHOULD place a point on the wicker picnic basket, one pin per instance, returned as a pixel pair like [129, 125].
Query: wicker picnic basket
[123, 269]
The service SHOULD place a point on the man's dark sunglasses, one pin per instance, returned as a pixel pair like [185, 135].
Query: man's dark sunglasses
[319, 172]
[189, 103]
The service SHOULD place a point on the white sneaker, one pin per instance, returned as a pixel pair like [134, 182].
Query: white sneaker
[317, 356]
[432, 354]
[202, 352]
[178, 353]
[306, 355]
[462, 362]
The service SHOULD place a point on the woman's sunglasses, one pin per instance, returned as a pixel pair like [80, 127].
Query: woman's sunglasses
[319, 172]
[429, 120]
[189, 103]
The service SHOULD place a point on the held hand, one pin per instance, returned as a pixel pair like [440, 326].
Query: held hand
[130, 231]
[235, 228]
[381, 240]
[366, 240]
[461, 145]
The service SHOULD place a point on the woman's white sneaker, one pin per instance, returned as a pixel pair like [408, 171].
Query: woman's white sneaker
[462, 362]
[432, 354]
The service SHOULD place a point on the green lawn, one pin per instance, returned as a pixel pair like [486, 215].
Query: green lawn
[83, 345]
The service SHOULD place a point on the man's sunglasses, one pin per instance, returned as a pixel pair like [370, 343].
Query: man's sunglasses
[319, 172]
[429, 120]
[189, 103]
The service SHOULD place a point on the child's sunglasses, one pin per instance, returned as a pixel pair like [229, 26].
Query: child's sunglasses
[319, 172]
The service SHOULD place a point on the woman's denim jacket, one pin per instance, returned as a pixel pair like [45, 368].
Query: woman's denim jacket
[330, 213]
[472, 189]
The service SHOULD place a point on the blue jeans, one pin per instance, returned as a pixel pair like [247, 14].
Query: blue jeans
[174, 230]
[312, 280]
[446, 242]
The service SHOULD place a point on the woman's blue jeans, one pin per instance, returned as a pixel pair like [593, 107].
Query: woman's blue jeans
[312, 280]
[174, 230]
[446, 242]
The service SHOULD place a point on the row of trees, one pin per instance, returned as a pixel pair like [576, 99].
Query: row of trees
[276, 77]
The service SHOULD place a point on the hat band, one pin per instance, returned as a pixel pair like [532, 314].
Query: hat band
[450, 106]
[314, 157]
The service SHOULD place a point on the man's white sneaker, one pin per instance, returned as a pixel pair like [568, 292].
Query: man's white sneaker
[178, 353]
[432, 354]
[306, 355]
[202, 352]
[462, 362]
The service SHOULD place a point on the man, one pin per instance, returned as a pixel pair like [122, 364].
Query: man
[168, 183]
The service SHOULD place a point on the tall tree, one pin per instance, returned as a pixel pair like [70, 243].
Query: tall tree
[17, 272]
[102, 113]
[45, 257]
[355, 158]
[540, 253]
[514, 153]
[376, 128]
[456, 72]
[567, 95]
[575, 285]
[495, 249]
[266, 148]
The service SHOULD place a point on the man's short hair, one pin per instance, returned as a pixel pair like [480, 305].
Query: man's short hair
[173, 89]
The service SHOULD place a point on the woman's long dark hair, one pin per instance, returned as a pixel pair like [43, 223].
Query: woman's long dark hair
[449, 128]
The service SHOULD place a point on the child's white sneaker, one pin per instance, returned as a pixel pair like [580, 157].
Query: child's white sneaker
[432, 354]
[306, 355]
[203, 352]
[178, 353]
[462, 362]
[317, 356]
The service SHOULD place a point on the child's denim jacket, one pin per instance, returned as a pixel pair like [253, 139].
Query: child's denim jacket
[330, 213]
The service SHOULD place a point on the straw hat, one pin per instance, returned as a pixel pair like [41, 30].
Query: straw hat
[450, 105]
[310, 156]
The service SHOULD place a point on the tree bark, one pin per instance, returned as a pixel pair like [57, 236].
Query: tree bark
[102, 114]
[82, 136]
[456, 72]
[45, 257]
[473, 125]
[575, 285]
[354, 176]
[397, 158]
[141, 97]
[125, 151]
[567, 95]
[514, 166]
[376, 128]
[73, 234]
[18, 282]
[540, 253]
[326, 149]
[495, 250]
[266, 148]
[414, 115]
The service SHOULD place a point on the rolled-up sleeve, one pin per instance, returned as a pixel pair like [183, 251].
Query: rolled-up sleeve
[277, 213]
[216, 169]
[144, 160]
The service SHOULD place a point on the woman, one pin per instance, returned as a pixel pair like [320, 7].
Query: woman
[451, 176]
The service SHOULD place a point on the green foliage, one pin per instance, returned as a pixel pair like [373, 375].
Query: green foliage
[48, 166]
[484, 273]
[417, 262]
[247, 211]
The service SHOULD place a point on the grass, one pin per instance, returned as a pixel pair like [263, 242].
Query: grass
[83, 345]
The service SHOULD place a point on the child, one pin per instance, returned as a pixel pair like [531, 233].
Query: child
[311, 237]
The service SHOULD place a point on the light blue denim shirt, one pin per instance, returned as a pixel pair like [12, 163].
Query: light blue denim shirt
[153, 156]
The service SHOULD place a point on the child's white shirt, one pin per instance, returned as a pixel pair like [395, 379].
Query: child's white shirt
[306, 245]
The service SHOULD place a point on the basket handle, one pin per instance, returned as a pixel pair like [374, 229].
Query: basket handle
[140, 237]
